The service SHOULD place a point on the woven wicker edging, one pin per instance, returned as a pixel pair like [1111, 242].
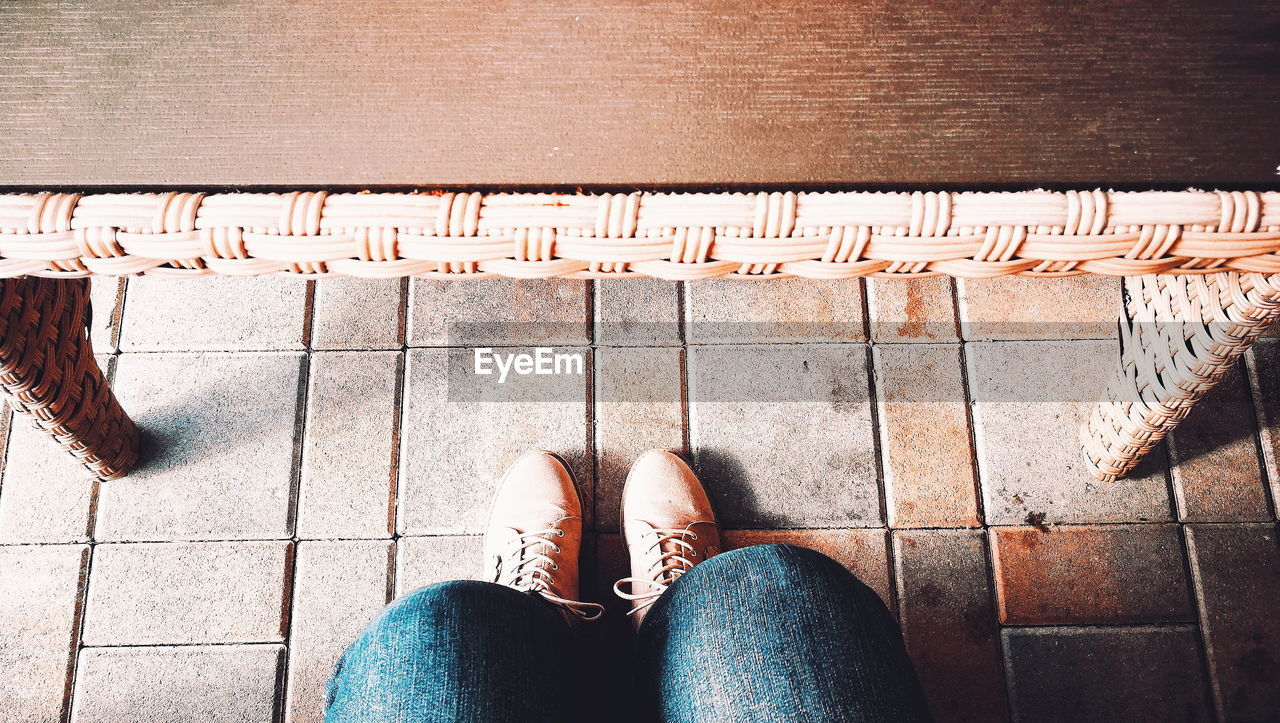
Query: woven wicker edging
[679, 236]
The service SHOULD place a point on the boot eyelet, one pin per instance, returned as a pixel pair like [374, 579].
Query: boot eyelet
[693, 537]
[554, 566]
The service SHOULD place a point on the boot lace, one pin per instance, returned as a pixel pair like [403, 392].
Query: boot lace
[665, 569]
[529, 568]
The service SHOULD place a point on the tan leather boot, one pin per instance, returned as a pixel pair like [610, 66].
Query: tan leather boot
[535, 533]
[667, 524]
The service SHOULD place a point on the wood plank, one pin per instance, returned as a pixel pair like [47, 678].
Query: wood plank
[577, 92]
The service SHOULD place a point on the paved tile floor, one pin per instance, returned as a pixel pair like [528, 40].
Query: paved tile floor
[311, 458]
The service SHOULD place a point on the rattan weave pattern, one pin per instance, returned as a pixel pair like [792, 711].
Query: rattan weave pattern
[1180, 335]
[49, 374]
[679, 236]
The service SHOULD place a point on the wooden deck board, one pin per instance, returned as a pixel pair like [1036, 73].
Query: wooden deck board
[275, 92]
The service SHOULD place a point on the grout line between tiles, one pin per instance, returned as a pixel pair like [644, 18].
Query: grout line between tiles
[960, 308]
[877, 454]
[77, 635]
[880, 440]
[286, 628]
[6, 425]
[1191, 569]
[279, 703]
[592, 462]
[592, 420]
[767, 342]
[878, 461]
[1177, 502]
[407, 293]
[979, 500]
[82, 593]
[686, 406]
[1050, 526]
[397, 434]
[1253, 385]
[1006, 673]
[302, 409]
[302, 405]
[216, 352]
[393, 551]
[248, 540]
[117, 314]
[218, 644]
[402, 315]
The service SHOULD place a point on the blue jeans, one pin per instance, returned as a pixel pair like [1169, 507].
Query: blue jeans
[772, 632]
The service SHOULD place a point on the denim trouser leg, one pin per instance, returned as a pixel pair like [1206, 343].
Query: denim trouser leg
[776, 633]
[459, 651]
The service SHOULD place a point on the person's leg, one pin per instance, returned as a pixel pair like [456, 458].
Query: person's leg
[773, 632]
[459, 651]
[779, 633]
[501, 650]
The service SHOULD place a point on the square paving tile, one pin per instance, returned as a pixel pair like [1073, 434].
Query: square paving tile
[912, 310]
[199, 592]
[454, 452]
[1090, 574]
[1214, 455]
[925, 442]
[40, 590]
[1237, 574]
[782, 435]
[220, 448]
[45, 495]
[1106, 674]
[1028, 307]
[500, 312]
[1264, 377]
[349, 445]
[948, 617]
[637, 406]
[1029, 401]
[353, 313]
[217, 684]
[637, 312]
[423, 561]
[213, 314]
[338, 588]
[720, 311]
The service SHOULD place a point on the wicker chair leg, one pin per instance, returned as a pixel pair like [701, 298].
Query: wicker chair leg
[48, 373]
[1179, 336]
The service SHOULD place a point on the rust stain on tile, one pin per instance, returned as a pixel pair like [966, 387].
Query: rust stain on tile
[914, 326]
[921, 404]
[1090, 574]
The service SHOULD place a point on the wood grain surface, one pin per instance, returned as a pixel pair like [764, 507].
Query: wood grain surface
[768, 92]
